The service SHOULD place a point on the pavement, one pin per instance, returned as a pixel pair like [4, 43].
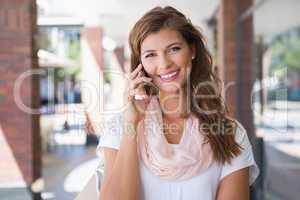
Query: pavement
[280, 128]
[282, 171]
[67, 169]
[68, 162]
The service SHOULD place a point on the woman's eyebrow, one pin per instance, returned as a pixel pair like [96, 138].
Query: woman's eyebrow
[148, 51]
[174, 43]
[168, 46]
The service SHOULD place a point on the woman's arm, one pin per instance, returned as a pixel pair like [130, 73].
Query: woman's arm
[121, 179]
[234, 186]
[122, 168]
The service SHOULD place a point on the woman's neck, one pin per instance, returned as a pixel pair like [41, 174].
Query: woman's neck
[173, 105]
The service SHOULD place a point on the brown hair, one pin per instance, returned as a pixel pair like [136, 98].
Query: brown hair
[222, 140]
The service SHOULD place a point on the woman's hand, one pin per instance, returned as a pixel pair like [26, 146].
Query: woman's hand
[135, 98]
[121, 177]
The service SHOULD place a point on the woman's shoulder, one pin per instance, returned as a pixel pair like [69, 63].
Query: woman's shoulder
[245, 158]
[240, 133]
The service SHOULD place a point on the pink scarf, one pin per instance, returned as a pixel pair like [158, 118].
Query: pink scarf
[182, 161]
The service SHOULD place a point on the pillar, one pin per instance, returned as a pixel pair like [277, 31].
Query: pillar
[20, 145]
[235, 59]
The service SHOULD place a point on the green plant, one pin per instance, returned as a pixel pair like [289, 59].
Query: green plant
[285, 53]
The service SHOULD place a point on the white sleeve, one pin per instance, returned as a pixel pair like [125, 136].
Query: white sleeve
[111, 133]
[245, 159]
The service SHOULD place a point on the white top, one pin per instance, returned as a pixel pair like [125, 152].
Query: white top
[204, 185]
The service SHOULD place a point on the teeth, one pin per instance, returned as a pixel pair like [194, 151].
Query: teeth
[169, 75]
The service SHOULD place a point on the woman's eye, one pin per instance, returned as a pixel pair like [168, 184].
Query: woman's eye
[175, 49]
[149, 55]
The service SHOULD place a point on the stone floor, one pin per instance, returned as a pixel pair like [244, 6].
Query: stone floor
[14, 194]
[59, 164]
[282, 174]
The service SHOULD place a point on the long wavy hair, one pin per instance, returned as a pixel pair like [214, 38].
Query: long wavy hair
[204, 82]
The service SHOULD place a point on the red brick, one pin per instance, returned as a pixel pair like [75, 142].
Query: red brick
[17, 21]
[228, 58]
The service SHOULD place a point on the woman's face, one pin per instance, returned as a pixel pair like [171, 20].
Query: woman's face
[167, 58]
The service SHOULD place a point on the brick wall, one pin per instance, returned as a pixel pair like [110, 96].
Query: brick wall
[19, 129]
[235, 58]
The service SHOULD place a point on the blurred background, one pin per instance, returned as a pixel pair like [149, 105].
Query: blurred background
[62, 65]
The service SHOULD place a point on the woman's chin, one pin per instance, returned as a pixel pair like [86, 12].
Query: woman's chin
[169, 88]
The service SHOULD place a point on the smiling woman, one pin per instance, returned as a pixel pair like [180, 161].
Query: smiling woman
[178, 143]
[167, 57]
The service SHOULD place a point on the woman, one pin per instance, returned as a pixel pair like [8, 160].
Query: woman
[176, 140]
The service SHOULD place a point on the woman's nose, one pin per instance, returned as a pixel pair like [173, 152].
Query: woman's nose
[164, 61]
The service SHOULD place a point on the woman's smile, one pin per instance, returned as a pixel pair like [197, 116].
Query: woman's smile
[171, 76]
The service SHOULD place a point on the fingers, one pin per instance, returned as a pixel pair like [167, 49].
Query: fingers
[136, 88]
[135, 71]
[134, 84]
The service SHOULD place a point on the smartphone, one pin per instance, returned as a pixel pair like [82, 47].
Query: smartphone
[146, 88]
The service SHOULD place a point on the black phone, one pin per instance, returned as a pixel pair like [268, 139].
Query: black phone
[150, 89]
